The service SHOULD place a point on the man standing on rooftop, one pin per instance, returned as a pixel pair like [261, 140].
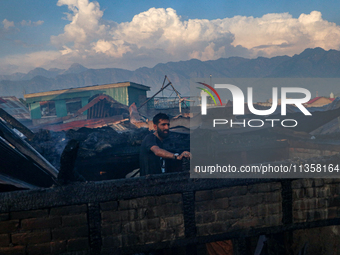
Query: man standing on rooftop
[152, 154]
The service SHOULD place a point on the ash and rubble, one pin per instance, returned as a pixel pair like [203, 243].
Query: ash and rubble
[92, 141]
[109, 146]
[103, 152]
[94, 144]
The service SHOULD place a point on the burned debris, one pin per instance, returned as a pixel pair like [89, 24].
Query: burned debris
[109, 133]
[21, 163]
[103, 152]
[100, 141]
[67, 173]
[101, 110]
[15, 124]
[102, 147]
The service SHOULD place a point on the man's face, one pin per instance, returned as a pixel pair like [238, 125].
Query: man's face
[163, 128]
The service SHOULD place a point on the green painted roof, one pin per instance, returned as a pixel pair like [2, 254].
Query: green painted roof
[85, 89]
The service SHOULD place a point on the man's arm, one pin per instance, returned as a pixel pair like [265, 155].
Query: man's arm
[166, 154]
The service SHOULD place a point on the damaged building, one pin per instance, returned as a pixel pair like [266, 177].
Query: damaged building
[48, 106]
[17, 109]
[97, 206]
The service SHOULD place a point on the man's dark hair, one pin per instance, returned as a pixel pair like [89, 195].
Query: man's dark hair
[160, 116]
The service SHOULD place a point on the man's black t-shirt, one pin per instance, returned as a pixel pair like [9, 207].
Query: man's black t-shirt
[148, 161]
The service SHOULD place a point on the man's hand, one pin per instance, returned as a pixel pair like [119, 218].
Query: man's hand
[166, 154]
[161, 152]
[185, 154]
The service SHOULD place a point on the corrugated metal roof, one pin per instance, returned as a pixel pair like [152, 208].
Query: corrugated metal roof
[119, 128]
[88, 88]
[332, 106]
[317, 98]
[91, 123]
[14, 107]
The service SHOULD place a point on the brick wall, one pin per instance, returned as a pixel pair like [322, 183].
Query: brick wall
[305, 149]
[316, 199]
[46, 231]
[230, 209]
[142, 221]
[143, 214]
[309, 153]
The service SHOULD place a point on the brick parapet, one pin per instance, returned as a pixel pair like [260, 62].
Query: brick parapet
[315, 199]
[46, 231]
[138, 215]
[229, 209]
[141, 221]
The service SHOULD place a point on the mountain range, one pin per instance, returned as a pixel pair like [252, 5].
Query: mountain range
[311, 63]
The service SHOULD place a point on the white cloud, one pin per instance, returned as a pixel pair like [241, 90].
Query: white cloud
[84, 26]
[7, 24]
[162, 31]
[29, 23]
[278, 34]
[161, 35]
[27, 62]
[38, 23]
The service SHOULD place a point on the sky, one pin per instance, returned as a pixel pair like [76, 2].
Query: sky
[130, 34]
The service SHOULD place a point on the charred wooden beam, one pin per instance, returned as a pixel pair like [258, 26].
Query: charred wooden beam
[16, 124]
[287, 201]
[26, 149]
[154, 95]
[7, 180]
[177, 93]
[67, 173]
[19, 171]
[94, 217]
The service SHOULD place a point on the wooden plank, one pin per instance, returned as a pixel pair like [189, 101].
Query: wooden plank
[16, 124]
[26, 149]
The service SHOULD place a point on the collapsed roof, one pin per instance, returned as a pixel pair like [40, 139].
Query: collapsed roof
[20, 164]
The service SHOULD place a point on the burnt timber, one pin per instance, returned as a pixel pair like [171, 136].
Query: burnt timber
[21, 165]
